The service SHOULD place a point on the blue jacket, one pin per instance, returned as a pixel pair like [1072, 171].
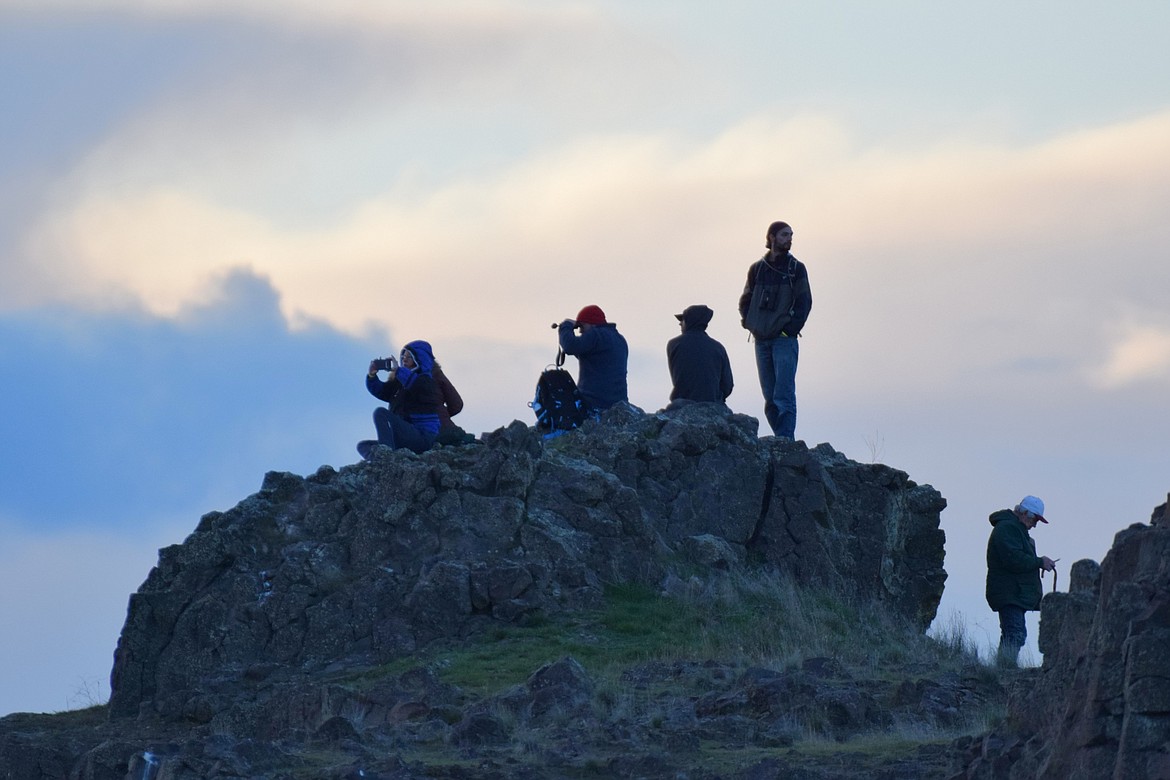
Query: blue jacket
[602, 355]
[412, 393]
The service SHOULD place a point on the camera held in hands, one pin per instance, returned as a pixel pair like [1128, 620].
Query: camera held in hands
[385, 364]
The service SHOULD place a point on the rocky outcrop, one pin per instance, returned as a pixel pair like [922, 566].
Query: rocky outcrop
[1099, 707]
[706, 720]
[294, 635]
[370, 563]
[302, 632]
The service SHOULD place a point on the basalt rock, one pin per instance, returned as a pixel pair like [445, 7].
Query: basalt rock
[369, 563]
[290, 627]
[1099, 706]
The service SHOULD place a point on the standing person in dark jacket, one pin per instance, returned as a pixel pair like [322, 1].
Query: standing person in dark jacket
[412, 420]
[1013, 573]
[775, 304]
[699, 368]
[602, 355]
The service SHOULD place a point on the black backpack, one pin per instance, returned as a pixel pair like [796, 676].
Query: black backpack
[557, 405]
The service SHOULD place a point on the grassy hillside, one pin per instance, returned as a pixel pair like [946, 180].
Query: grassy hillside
[687, 679]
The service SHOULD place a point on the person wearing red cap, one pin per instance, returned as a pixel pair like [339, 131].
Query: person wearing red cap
[1013, 574]
[602, 355]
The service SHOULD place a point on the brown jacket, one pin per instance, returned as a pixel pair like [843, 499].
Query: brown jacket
[452, 402]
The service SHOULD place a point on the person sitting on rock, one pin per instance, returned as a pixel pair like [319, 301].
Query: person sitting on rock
[602, 355]
[412, 419]
[699, 367]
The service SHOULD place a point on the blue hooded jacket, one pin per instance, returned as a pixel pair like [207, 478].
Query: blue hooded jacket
[412, 393]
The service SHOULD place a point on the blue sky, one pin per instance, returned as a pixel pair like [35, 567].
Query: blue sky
[212, 214]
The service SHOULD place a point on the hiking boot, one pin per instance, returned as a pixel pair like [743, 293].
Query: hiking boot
[366, 447]
[1007, 657]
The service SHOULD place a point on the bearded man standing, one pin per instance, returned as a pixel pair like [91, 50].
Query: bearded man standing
[775, 304]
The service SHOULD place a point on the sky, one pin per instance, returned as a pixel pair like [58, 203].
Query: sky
[213, 214]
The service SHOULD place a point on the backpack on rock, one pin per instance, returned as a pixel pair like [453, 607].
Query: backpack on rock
[557, 405]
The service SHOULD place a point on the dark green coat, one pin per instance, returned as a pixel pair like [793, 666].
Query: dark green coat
[1013, 568]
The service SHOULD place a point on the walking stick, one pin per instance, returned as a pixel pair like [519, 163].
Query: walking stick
[1054, 576]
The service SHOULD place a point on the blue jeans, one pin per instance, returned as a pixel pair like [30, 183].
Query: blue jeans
[396, 433]
[1013, 632]
[776, 361]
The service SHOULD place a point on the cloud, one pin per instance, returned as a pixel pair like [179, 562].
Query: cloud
[124, 417]
[124, 428]
[243, 79]
[1142, 353]
[953, 235]
[263, 128]
[355, 14]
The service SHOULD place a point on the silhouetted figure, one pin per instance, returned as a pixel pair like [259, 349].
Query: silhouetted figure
[699, 367]
[602, 355]
[775, 304]
[1013, 574]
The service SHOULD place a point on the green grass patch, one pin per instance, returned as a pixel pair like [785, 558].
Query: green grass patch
[737, 620]
[636, 625]
[641, 623]
[756, 618]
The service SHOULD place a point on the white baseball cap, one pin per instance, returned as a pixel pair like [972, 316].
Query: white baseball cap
[1033, 505]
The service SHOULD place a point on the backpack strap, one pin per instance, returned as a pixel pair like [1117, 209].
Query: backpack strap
[560, 357]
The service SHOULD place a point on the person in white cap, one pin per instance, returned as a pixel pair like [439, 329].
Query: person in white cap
[1013, 574]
